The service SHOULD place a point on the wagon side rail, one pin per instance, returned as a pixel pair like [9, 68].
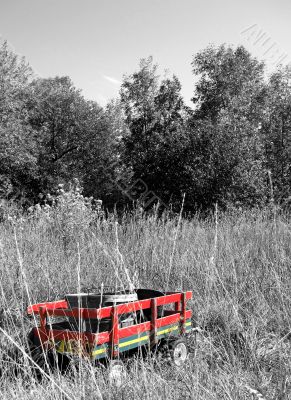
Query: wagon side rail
[60, 308]
[35, 308]
[153, 327]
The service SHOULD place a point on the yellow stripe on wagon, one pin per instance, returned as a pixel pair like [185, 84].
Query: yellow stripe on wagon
[173, 328]
[99, 351]
[141, 339]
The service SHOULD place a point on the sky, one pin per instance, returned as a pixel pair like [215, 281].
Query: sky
[96, 42]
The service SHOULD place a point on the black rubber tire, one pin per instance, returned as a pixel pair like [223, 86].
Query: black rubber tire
[178, 351]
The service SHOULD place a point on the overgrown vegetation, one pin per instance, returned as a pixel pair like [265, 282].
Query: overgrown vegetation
[238, 266]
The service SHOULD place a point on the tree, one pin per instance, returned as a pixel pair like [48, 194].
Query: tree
[15, 75]
[18, 148]
[18, 161]
[65, 123]
[78, 139]
[229, 80]
[155, 115]
[277, 132]
[228, 160]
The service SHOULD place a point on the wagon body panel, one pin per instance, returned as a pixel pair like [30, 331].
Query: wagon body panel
[117, 340]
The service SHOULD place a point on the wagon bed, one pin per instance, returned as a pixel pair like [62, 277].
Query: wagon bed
[156, 318]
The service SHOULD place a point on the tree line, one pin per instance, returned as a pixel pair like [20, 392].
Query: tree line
[233, 147]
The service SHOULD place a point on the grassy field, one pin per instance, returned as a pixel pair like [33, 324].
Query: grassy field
[238, 266]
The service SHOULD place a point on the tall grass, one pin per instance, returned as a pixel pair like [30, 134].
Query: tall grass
[237, 265]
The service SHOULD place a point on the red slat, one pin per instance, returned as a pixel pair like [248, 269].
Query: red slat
[59, 308]
[154, 316]
[34, 308]
[183, 313]
[114, 334]
[171, 298]
[86, 313]
[134, 329]
[171, 319]
[188, 295]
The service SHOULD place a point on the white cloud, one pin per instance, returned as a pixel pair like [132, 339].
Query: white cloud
[112, 80]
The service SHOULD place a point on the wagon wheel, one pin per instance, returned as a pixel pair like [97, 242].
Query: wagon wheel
[117, 373]
[178, 351]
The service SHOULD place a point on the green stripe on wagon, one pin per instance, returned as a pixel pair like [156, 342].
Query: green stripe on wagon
[131, 344]
[100, 351]
[133, 341]
[144, 338]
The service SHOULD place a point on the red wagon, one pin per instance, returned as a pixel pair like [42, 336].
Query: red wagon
[109, 326]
